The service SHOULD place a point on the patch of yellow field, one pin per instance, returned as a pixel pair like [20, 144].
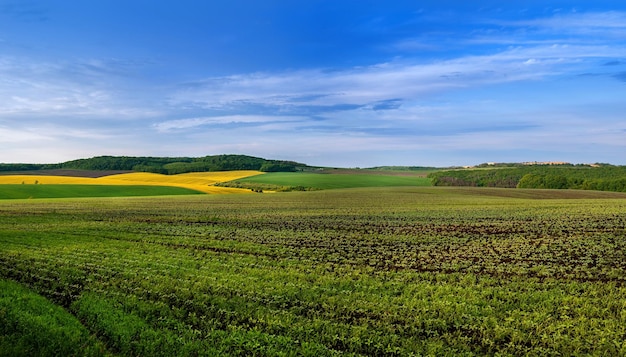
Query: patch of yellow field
[199, 181]
[194, 178]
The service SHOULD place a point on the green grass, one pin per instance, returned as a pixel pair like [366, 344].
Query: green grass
[364, 271]
[334, 181]
[8, 191]
[30, 325]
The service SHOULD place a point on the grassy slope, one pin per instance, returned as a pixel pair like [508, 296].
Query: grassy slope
[333, 181]
[63, 191]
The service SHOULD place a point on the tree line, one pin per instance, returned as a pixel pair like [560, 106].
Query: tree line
[166, 165]
[601, 178]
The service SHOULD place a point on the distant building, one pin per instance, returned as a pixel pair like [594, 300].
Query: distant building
[545, 163]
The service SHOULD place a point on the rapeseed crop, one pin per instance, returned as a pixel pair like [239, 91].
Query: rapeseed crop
[198, 181]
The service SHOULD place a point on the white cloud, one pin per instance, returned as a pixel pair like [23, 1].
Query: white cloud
[395, 80]
[577, 22]
[573, 28]
[188, 123]
[84, 89]
[11, 135]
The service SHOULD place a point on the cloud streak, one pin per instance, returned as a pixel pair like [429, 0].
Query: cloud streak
[395, 81]
[86, 89]
[220, 121]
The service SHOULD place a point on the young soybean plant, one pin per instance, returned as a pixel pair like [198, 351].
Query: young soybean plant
[30, 325]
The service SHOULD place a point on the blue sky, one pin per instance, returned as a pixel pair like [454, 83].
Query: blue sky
[324, 82]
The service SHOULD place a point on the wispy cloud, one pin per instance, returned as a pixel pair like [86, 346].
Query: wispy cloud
[88, 89]
[580, 23]
[395, 81]
[583, 29]
[12, 135]
[247, 120]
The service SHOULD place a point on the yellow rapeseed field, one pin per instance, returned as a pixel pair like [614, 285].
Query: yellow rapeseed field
[199, 181]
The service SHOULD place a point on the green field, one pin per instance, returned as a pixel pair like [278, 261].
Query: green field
[376, 272]
[30, 325]
[64, 191]
[319, 181]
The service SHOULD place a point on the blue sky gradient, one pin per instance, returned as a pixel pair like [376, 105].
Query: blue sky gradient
[332, 83]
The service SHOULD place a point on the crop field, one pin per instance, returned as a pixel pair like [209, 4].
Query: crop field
[68, 190]
[360, 272]
[30, 325]
[127, 184]
[334, 181]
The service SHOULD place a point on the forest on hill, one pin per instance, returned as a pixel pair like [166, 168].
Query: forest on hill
[165, 165]
[598, 177]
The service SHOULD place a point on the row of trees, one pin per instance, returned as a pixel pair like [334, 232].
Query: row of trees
[562, 182]
[165, 165]
[604, 178]
[22, 167]
[507, 178]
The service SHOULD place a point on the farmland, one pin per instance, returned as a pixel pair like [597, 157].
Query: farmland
[126, 184]
[86, 183]
[366, 271]
[69, 190]
[31, 325]
[316, 181]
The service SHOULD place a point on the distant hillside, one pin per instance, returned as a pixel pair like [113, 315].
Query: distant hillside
[165, 165]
